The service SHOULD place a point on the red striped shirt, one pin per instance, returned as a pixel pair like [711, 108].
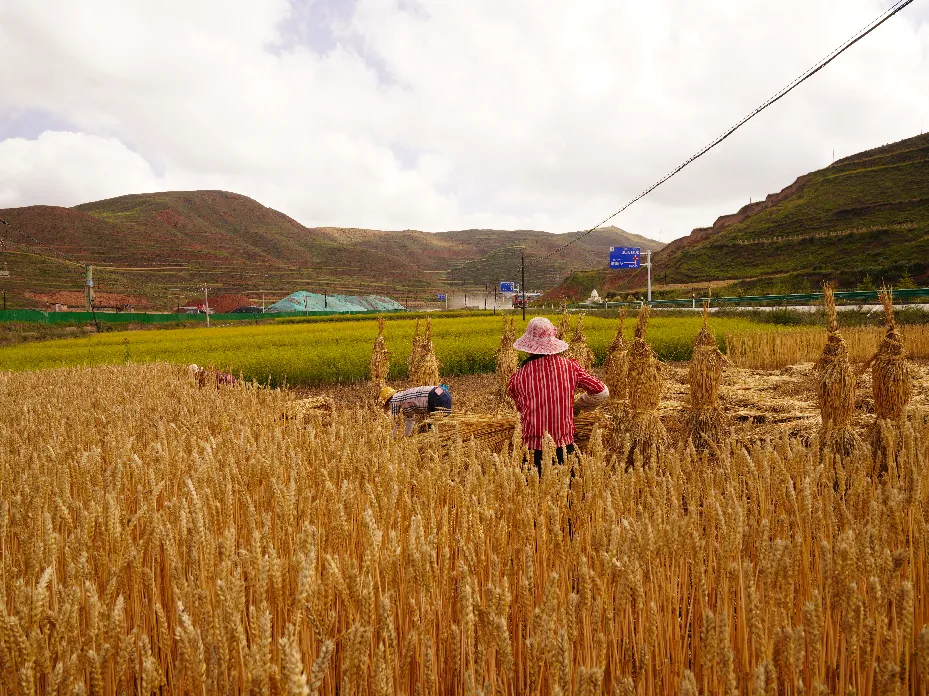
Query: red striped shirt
[543, 390]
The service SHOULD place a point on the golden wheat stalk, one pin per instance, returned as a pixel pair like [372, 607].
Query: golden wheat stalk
[379, 365]
[615, 364]
[647, 435]
[705, 422]
[835, 388]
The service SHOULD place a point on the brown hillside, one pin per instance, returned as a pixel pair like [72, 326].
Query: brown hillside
[166, 245]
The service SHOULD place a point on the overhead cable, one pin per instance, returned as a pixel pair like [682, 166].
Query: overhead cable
[779, 95]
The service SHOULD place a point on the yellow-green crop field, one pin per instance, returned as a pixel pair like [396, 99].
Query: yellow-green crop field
[338, 351]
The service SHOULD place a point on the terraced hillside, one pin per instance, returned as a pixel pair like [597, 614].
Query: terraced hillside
[865, 217]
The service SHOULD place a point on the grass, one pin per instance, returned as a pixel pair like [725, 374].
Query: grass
[314, 352]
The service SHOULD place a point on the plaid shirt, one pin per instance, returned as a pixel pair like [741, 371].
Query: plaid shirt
[411, 402]
[543, 390]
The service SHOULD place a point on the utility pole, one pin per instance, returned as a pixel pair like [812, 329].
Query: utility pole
[648, 265]
[495, 299]
[485, 297]
[306, 308]
[206, 304]
[262, 303]
[522, 282]
[89, 289]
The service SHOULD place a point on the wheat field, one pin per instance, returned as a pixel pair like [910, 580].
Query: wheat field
[777, 349]
[160, 538]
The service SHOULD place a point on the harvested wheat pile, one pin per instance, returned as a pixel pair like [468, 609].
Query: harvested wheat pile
[507, 362]
[578, 349]
[379, 366]
[647, 436]
[705, 423]
[835, 388]
[425, 370]
[615, 364]
[892, 386]
[492, 432]
[313, 409]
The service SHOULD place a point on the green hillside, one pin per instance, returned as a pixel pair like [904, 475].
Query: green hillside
[861, 220]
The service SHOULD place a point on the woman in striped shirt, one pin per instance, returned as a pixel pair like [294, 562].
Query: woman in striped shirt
[543, 391]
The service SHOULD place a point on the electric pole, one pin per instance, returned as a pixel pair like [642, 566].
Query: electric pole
[648, 265]
[206, 304]
[522, 282]
[89, 289]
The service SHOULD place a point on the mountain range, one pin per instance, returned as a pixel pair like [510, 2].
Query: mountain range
[151, 249]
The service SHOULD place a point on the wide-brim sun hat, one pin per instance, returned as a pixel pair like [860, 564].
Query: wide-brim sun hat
[540, 338]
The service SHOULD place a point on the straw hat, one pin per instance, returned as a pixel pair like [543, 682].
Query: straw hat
[540, 338]
[386, 393]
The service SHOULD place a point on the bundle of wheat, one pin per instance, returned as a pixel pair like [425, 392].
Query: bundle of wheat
[578, 349]
[564, 327]
[614, 367]
[835, 389]
[314, 409]
[426, 369]
[647, 436]
[380, 358]
[704, 421]
[507, 361]
[412, 362]
[892, 387]
[492, 432]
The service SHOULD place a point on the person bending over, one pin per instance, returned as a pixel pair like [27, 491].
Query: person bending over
[414, 403]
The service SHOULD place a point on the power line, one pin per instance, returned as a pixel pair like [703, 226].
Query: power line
[779, 95]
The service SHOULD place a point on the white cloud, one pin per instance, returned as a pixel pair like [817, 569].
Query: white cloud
[529, 113]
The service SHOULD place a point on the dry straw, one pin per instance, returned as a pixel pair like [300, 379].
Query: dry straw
[507, 362]
[892, 388]
[772, 350]
[704, 421]
[578, 349]
[564, 326]
[426, 367]
[379, 365]
[647, 436]
[614, 366]
[412, 362]
[835, 389]
[170, 539]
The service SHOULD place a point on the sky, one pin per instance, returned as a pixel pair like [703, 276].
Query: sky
[438, 115]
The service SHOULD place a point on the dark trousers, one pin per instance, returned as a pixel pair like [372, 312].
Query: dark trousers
[560, 453]
[441, 401]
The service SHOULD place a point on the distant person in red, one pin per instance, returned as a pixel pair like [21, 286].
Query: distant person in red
[207, 376]
[543, 391]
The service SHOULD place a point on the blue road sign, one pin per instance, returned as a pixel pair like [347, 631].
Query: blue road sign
[625, 257]
[506, 287]
[440, 296]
